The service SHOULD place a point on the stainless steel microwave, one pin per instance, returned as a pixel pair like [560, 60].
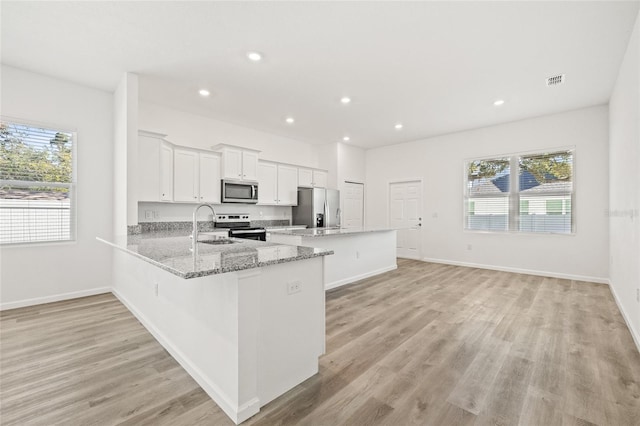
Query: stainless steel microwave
[239, 191]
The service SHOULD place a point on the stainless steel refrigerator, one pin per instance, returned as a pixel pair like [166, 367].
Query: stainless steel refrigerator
[317, 208]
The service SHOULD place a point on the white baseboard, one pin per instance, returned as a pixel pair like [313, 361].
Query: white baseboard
[599, 280]
[54, 298]
[350, 280]
[236, 413]
[634, 333]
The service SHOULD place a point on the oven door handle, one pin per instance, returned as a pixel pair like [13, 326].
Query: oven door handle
[253, 231]
[253, 192]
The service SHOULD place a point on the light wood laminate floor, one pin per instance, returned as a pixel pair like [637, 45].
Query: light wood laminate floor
[426, 344]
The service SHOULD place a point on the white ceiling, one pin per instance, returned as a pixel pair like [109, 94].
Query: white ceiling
[436, 67]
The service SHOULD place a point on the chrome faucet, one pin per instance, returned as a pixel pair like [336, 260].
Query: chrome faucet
[194, 234]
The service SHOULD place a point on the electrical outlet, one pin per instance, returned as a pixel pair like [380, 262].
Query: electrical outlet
[156, 214]
[469, 247]
[294, 287]
[156, 289]
[357, 255]
[148, 214]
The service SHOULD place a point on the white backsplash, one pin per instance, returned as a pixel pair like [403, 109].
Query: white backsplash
[176, 212]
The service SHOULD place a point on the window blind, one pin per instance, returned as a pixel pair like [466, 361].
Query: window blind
[487, 195]
[546, 189]
[36, 184]
[536, 197]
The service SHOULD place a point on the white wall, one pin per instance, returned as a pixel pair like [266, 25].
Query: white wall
[183, 128]
[125, 129]
[624, 184]
[32, 274]
[351, 166]
[439, 162]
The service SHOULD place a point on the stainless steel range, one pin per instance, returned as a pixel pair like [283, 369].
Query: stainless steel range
[239, 226]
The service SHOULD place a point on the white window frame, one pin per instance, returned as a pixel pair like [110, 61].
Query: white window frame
[514, 192]
[72, 186]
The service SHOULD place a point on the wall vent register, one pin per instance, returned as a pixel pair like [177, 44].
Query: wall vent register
[555, 80]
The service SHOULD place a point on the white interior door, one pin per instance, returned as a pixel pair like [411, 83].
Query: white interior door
[405, 215]
[353, 209]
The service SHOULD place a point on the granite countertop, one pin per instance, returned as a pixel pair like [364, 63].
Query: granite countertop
[328, 232]
[170, 250]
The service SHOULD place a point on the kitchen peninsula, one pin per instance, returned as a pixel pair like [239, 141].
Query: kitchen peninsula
[358, 252]
[245, 318]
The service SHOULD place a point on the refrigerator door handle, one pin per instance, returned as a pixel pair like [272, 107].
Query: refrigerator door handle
[326, 212]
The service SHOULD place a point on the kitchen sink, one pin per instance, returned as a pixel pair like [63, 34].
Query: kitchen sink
[219, 241]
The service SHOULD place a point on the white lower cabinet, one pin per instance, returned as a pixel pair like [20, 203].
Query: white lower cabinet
[278, 184]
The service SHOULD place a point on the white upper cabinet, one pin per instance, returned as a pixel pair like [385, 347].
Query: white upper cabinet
[310, 178]
[250, 165]
[305, 178]
[166, 172]
[155, 168]
[267, 183]
[180, 174]
[277, 184]
[209, 178]
[238, 163]
[232, 164]
[185, 175]
[196, 176]
[287, 185]
[320, 178]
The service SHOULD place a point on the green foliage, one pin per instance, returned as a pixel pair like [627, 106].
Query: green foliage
[545, 168]
[550, 167]
[487, 168]
[20, 160]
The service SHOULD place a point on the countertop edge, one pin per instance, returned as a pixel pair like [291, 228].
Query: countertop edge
[218, 271]
[297, 233]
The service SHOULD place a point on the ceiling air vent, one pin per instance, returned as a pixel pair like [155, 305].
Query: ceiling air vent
[555, 80]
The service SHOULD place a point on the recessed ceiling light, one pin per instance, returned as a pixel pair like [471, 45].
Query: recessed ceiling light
[499, 102]
[289, 120]
[204, 92]
[346, 138]
[398, 126]
[254, 56]
[345, 99]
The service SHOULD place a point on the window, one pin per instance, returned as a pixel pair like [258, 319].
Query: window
[487, 203]
[36, 184]
[537, 198]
